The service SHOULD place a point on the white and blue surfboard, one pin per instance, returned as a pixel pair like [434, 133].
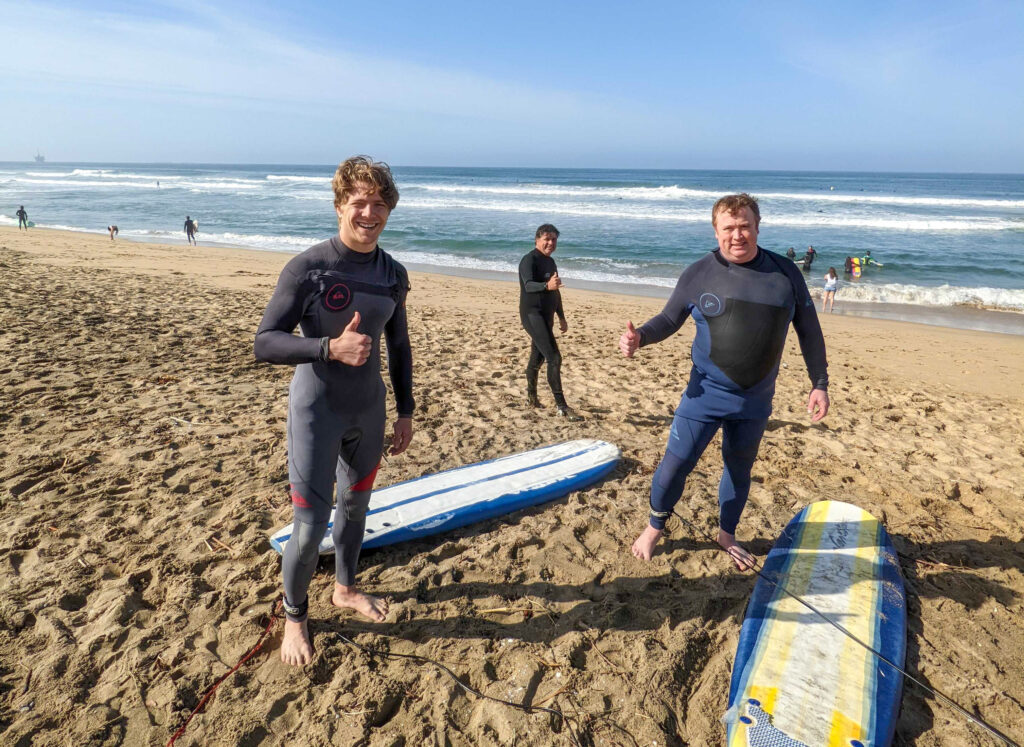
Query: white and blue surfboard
[457, 497]
[797, 680]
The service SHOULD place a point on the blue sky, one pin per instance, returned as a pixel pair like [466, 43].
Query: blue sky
[909, 86]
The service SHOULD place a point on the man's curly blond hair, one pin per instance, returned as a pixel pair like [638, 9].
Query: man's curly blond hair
[360, 172]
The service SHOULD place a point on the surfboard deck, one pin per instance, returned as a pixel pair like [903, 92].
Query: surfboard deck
[798, 680]
[454, 498]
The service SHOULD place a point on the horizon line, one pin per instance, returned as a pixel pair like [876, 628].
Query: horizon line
[516, 168]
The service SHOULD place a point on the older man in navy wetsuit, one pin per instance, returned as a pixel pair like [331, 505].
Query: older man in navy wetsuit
[742, 299]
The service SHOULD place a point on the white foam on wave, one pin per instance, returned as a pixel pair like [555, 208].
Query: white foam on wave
[434, 259]
[301, 179]
[554, 190]
[942, 295]
[897, 223]
[228, 238]
[978, 202]
[675, 192]
[583, 209]
[682, 215]
[194, 186]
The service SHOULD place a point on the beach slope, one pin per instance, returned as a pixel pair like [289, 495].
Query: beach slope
[142, 467]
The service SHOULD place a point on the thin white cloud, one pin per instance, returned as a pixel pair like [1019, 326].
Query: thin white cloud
[217, 56]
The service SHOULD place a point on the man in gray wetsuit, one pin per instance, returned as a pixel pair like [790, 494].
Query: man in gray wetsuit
[344, 294]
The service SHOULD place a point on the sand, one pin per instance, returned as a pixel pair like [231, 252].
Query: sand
[142, 467]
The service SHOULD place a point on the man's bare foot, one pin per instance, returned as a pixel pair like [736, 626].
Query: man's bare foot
[743, 559]
[296, 649]
[372, 607]
[643, 547]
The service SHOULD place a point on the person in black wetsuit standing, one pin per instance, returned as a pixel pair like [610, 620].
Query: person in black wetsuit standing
[190, 230]
[742, 299]
[345, 294]
[539, 302]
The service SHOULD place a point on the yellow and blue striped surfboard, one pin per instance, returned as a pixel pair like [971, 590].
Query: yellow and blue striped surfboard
[798, 680]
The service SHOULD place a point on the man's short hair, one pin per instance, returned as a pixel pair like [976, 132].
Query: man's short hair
[360, 172]
[734, 204]
[546, 228]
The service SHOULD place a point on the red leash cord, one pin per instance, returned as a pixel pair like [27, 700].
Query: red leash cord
[274, 617]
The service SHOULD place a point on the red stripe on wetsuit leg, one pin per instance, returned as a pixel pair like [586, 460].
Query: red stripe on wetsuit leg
[298, 500]
[367, 482]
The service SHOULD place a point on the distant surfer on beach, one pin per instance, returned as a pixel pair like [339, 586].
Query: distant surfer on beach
[539, 302]
[22, 218]
[345, 294]
[190, 231]
[742, 299]
[112, 230]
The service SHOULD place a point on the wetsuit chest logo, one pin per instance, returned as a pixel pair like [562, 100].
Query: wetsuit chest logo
[337, 297]
[710, 305]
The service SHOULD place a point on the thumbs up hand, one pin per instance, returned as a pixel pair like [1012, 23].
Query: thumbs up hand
[554, 282]
[629, 343]
[351, 347]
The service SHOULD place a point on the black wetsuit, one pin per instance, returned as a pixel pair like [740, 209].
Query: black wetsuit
[809, 260]
[22, 218]
[537, 309]
[335, 411]
[742, 313]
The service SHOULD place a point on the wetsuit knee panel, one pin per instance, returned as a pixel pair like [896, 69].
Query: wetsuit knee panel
[307, 537]
[356, 505]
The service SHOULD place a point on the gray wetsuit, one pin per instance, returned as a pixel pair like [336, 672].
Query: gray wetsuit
[336, 412]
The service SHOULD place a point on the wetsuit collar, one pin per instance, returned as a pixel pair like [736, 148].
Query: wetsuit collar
[752, 263]
[351, 255]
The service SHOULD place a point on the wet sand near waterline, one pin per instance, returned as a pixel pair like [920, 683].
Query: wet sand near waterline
[142, 466]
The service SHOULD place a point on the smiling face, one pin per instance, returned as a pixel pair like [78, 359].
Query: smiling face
[546, 243]
[737, 235]
[361, 218]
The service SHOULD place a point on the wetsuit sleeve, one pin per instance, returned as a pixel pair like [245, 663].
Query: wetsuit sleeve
[396, 332]
[275, 342]
[558, 306]
[808, 333]
[671, 318]
[526, 275]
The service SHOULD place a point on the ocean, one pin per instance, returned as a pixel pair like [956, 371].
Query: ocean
[947, 241]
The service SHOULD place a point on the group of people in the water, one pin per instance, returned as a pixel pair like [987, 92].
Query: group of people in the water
[346, 294]
[852, 268]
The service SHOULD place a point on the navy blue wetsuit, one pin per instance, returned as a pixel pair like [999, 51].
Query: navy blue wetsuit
[537, 309]
[336, 412]
[742, 313]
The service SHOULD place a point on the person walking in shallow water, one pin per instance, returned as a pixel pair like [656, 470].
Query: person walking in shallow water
[22, 218]
[831, 283]
[190, 231]
[742, 299]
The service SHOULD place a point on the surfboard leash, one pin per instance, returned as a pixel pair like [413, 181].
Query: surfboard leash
[425, 660]
[275, 615]
[937, 693]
